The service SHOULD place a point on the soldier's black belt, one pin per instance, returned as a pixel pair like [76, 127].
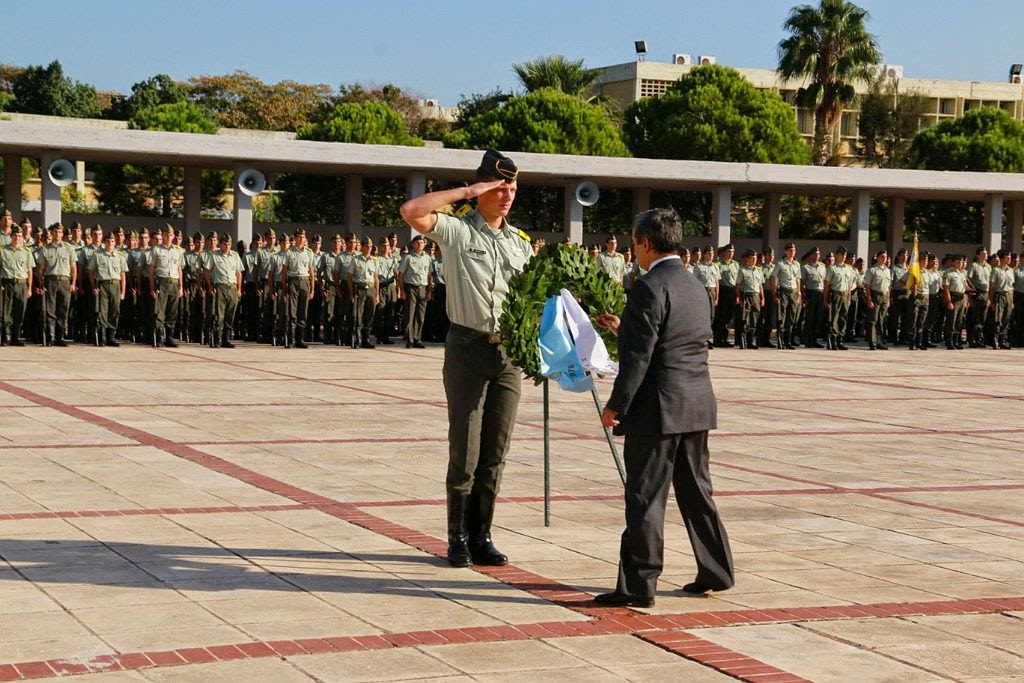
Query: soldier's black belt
[477, 335]
[59, 277]
[298, 277]
[360, 286]
[956, 296]
[162, 280]
[14, 280]
[107, 282]
[787, 290]
[225, 284]
[980, 292]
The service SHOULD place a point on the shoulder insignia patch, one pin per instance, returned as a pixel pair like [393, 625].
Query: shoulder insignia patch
[522, 234]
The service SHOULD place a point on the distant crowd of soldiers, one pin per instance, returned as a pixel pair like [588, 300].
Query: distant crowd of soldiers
[837, 298]
[162, 287]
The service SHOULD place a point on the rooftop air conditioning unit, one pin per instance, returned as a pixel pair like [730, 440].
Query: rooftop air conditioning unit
[682, 60]
[431, 103]
[705, 60]
[1016, 78]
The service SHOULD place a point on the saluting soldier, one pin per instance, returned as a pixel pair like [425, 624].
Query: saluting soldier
[726, 313]
[416, 289]
[979, 274]
[342, 268]
[785, 286]
[223, 274]
[749, 295]
[298, 270]
[56, 268]
[839, 280]
[812, 294]
[165, 279]
[954, 286]
[387, 270]
[877, 296]
[364, 293]
[710, 276]
[329, 292]
[16, 265]
[108, 277]
[610, 262]
[1000, 300]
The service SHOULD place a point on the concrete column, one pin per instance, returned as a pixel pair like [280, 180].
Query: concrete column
[772, 212]
[12, 185]
[859, 224]
[241, 222]
[193, 199]
[80, 176]
[416, 185]
[1014, 225]
[992, 223]
[641, 200]
[894, 225]
[573, 214]
[50, 213]
[721, 210]
[354, 203]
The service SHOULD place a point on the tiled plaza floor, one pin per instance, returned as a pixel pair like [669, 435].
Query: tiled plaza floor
[267, 515]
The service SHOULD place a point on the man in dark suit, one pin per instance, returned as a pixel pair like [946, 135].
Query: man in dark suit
[663, 403]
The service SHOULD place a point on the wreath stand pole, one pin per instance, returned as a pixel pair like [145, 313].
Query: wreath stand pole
[608, 436]
[547, 458]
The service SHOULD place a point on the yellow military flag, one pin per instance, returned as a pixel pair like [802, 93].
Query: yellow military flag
[914, 268]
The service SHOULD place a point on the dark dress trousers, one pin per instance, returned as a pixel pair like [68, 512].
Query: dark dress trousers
[665, 407]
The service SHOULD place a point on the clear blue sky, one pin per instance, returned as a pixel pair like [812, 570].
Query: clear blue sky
[445, 48]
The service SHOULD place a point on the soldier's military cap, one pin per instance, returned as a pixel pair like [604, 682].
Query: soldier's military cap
[367, 240]
[301, 232]
[497, 166]
[383, 240]
[57, 226]
[417, 238]
[351, 236]
[134, 233]
[42, 232]
[145, 232]
[316, 238]
[392, 235]
[178, 233]
[109, 236]
[197, 236]
[168, 228]
[7, 212]
[76, 224]
[225, 237]
[270, 233]
[840, 249]
[336, 236]
[120, 230]
[748, 253]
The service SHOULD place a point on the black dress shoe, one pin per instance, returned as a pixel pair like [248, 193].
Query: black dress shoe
[623, 600]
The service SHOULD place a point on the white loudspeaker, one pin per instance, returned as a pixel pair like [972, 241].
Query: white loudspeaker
[61, 172]
[587, 193]
[251, 182]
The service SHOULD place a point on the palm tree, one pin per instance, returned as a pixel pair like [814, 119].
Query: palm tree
[555, 71]
[829, 44]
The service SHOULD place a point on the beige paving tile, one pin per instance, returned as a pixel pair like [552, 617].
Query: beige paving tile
[265, 670]
[515, 656]
[613, 650]
[381, 665]
[669, 672]
[959, 660]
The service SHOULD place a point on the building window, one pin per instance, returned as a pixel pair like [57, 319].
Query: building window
[652, 88]
[947, 106]
[847, 124]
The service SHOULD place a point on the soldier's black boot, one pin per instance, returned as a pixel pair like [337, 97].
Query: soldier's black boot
[458, 540]
[922, 342]
[48, 336]
[366, 343]
[110, 339]
[299, 335]
[58, 337]
[289, 333]
[169, 339]
[751, 341]
[479, 515]
[225, 340]
[3, 335]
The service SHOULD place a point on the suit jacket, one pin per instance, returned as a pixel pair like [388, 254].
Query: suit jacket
[663, 386]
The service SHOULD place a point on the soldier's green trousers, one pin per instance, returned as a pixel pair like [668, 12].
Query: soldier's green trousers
[1003, 313]
[839, 309]
[224, 306]
[58, 302]
[788, 312]
[108, 304]
[166, 311]
[298, 304]
[14, 300]
[415, 312]
[877, 317]
[364, 307]
[918, 315]
[955, 319]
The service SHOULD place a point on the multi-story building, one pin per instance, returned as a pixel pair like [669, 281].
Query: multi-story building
[946, 99]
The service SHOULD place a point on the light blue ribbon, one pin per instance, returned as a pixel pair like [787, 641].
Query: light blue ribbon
[558, 357]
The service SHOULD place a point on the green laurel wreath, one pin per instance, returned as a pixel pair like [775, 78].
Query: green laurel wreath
[555, 267]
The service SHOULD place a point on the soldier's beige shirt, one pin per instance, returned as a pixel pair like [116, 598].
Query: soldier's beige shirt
[480, 264]
[15, 263]
[363, 270]
[107, 265]
[415, 269]
[58, 259]
[224, 268]
[787, 273]
[613, 265]
[299, 261]
[167, 261]
[840, 278]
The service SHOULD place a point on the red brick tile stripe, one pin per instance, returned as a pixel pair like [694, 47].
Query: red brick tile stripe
[663, 630]
[135, 512]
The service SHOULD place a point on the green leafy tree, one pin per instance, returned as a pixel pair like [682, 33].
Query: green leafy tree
[888, 122]
[556, 71]
[321, 199]
[986, 140]
[240, 100]
[545, 121]
[829, 45]
[148, 94]
[46, 90]
[402, 103]
[159, 190]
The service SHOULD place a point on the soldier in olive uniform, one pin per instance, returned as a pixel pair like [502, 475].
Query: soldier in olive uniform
[749, 295]
[87, 305]
[251, 289]
[766, 321]
[1017, 335]
[387, 272]
[364, 293]
[437, 322]
[898, 312]
[920, 298]
[206, 313]
[146, 297]
[812, 294]
[325, 281]
[165, 279]
[299, 270]
[611, 262]
[710, 276]
[56, 268]
[279, 293]
[726, 312]
[223, 274]
[16, 265]
[192, 282]
[35, 313]
[342, 266]
[108, 277]
[785, 285]
[1000, 300]
[266, 303]
[839, 282]
[877, 295]
[315, 316]
[415, 288]
[954, 286]
[979, 274]
[483, 387]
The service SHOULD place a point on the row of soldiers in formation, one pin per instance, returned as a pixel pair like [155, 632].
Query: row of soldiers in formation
[156, 288]
[837, 298]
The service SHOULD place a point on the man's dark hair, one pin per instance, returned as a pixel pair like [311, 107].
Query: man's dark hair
[662, 227]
